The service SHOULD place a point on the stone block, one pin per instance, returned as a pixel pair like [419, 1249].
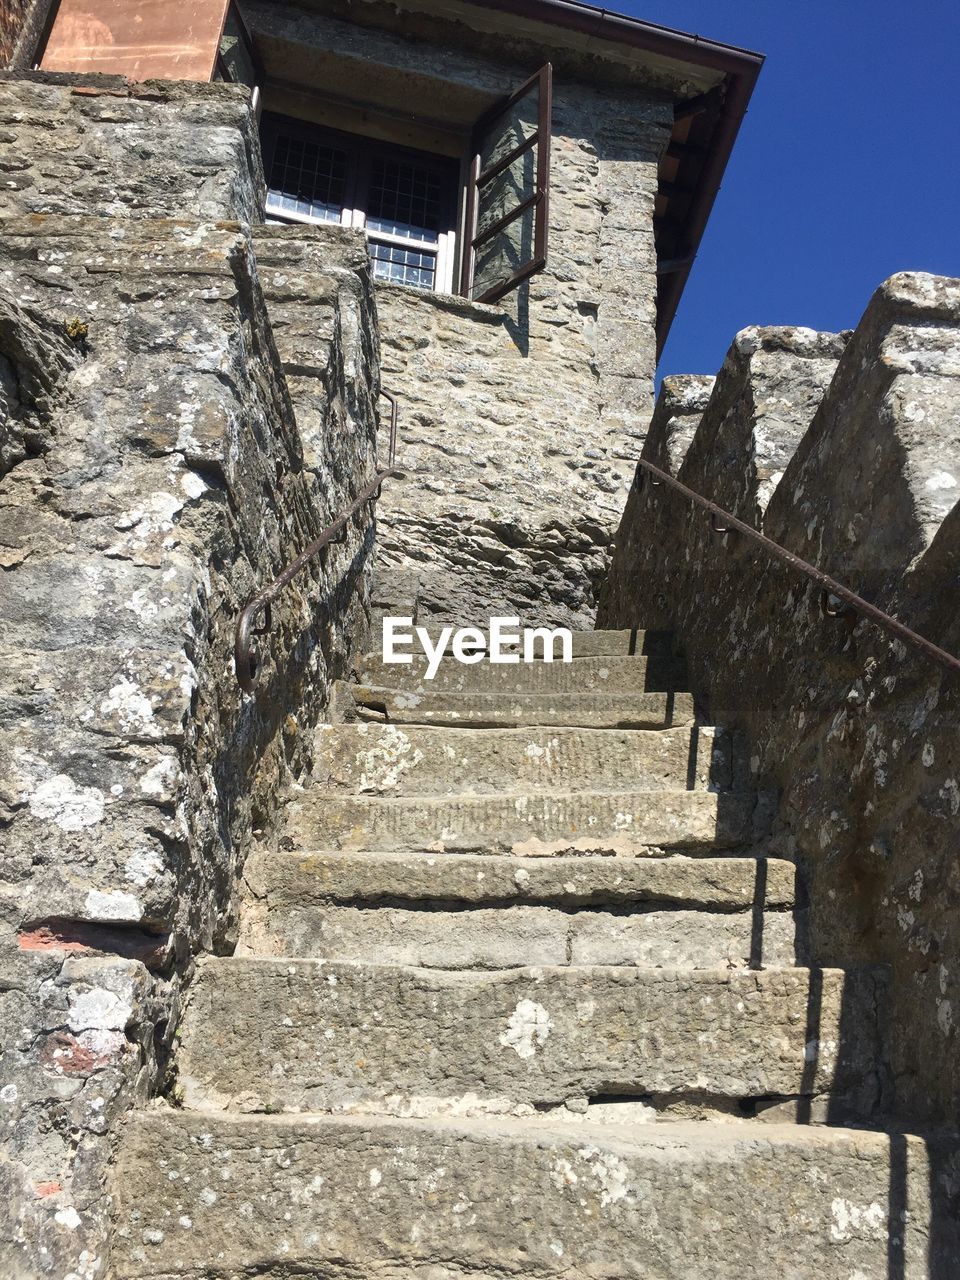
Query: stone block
[892, 409]
[334, 1036]
[393, 1196]
[410, 760]
[695, 820]
[123, 150]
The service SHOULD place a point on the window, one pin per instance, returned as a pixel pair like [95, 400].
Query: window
[405, 199]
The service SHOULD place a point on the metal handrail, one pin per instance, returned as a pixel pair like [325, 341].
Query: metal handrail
[830, 589]
[245, 658]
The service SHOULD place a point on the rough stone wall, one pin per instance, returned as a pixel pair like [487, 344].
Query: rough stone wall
[499, 509]
[152, 477]
[855, 472]
[100, 145]
[676, 417]
[520, 421]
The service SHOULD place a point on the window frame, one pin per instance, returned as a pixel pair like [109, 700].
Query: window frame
[361, 151]
[539, 201]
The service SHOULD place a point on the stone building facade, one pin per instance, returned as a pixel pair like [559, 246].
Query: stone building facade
[538, 398]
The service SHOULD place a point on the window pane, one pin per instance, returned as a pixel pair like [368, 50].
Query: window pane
[501, 195]
[403, 266]
[509, 191]
[307, 178]
[404, 200]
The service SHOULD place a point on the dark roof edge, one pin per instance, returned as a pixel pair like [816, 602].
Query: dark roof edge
[740, 85]
[622, 29]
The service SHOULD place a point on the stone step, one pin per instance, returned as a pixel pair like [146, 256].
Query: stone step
[210, 1197]
[507, 937]
[607, 675]
[629, 822]
[467, 912]
[409, 760]
[334, 1036]
[507, 711]
[314, 878]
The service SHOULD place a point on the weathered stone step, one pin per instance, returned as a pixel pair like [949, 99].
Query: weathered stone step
[207, 1197]
[282, 880]
[502, 710]
[608, 675]
[508, 937]
[411, 760]
[461, 912]
[626, 822]
[330, 1037]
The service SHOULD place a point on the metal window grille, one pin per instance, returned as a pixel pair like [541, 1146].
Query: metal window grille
[307, 178]
[403, 266]
[404, 200]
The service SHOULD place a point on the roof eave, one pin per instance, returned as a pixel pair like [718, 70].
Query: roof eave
[739, 89]
[621, 29]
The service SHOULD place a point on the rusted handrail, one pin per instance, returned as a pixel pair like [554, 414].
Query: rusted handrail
[245, 659]
[829, 587]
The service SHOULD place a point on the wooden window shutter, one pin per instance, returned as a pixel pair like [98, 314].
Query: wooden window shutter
[508, 194]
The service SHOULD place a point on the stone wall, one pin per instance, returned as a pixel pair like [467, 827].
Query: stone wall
[154, 473]
[520, 420]
[101, 145]
[500, 508]
[843, 449]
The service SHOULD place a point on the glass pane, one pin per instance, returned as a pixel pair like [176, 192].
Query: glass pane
[499, 257]
[403, 266]
[307, 178]
[405, 200]
[513, 248]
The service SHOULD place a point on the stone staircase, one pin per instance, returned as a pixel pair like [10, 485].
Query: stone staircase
[521, 994]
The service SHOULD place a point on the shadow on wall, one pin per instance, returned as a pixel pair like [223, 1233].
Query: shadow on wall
[842, 449]
[516, 318]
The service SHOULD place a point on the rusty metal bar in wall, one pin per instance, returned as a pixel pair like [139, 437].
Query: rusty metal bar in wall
[725, 522]
[245, 658]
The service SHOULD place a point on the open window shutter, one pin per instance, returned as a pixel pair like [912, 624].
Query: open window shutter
[508, 211]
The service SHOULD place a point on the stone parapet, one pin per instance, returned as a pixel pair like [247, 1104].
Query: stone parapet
[857, 474]
[102, 146]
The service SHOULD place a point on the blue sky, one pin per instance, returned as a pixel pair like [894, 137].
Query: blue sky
[846, 170]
